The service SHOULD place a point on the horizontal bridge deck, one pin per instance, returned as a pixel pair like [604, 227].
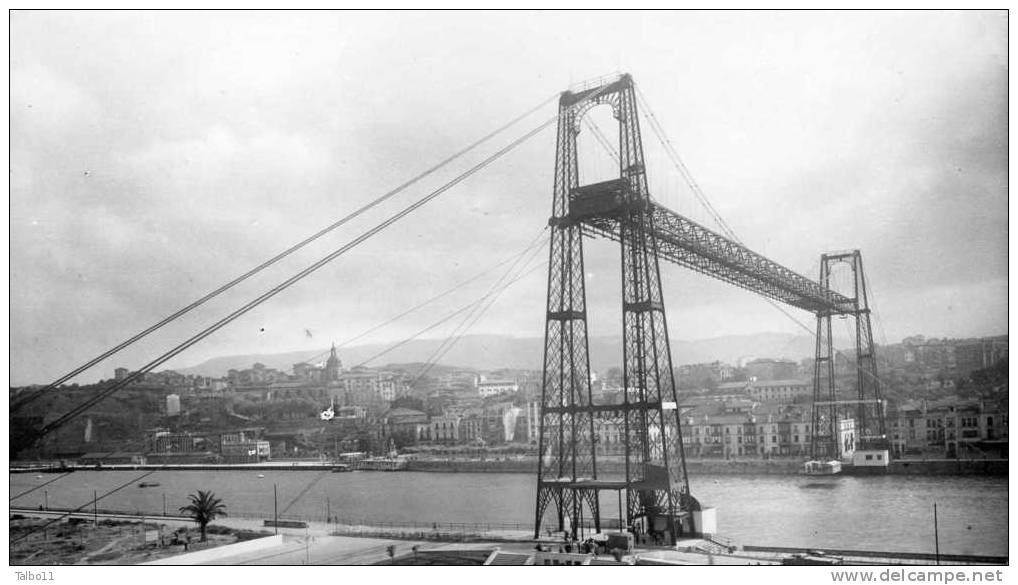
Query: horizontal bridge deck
[600, 209]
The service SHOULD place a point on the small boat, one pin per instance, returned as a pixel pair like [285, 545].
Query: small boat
[261, 475]
[815, 467]
[819, 485]
[148, 484]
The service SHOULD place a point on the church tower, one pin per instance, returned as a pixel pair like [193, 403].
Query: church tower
[333, 366]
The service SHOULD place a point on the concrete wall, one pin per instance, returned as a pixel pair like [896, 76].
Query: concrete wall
[221, 552]
[989, 467]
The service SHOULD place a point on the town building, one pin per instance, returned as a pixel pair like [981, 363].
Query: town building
[246, 451]
[173, 405]
[367, 387]
[497, 387]
[164, 441]
[772, 369]
[443, 429]
[778, 390]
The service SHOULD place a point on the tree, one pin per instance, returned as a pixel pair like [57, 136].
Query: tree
[204, 508]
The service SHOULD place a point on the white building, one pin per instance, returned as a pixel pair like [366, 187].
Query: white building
[172, 404]
[778, 390]
[496, 387]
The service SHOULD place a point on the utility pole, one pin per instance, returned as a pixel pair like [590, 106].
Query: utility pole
[328, 511]
[95, 507]
[46, 495]
[936, 533]
[275, 510]
[620, 511]
[164, 503]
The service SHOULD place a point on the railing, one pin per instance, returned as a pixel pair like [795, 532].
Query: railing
[725, 543]
[352, 525]
[595, 82]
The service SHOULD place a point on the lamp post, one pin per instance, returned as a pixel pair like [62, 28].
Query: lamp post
[936, 534]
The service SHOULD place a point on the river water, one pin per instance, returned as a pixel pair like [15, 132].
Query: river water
[892, 513]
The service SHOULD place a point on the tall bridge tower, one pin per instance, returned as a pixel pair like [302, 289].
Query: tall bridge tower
[654, 483]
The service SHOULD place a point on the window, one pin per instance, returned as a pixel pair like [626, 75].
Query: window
[869, 458]
[880, 457]
[774, 439]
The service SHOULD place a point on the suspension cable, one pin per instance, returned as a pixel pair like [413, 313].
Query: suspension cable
[290, 281]
[299, 245]
[416, 307]
[497, 289]
[444, 319]
[432, 362]
[705, 202]
[434, 298]
[495, 286]
[601, 138]
[83, 506]
[41, 485]
[304, 491]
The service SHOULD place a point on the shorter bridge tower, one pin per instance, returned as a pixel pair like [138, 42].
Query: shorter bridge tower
[841, 423]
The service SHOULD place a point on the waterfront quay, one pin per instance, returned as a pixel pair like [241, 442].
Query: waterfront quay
[527, 464]
[351, 544]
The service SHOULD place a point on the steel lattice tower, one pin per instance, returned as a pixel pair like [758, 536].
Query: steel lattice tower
[868, 409]
[655, 483]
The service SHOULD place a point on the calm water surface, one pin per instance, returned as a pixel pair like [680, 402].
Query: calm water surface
[876, 513]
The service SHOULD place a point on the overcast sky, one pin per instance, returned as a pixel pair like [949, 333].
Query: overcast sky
[155, 156]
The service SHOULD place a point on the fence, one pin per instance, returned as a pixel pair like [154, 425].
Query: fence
[365, 526]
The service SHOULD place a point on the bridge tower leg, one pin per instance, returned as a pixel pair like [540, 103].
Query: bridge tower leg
[824, 443]
[869, 412]
[655, 480]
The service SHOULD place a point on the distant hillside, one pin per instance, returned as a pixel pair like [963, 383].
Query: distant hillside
[487, 352]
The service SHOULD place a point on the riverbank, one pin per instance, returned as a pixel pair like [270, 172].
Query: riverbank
[521, 464]
[42, 538]
[978, 467]
[118, 538]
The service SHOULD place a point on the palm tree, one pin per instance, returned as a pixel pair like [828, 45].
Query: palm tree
[204, 508]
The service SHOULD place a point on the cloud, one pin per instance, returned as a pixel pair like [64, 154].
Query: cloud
[165, 153]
